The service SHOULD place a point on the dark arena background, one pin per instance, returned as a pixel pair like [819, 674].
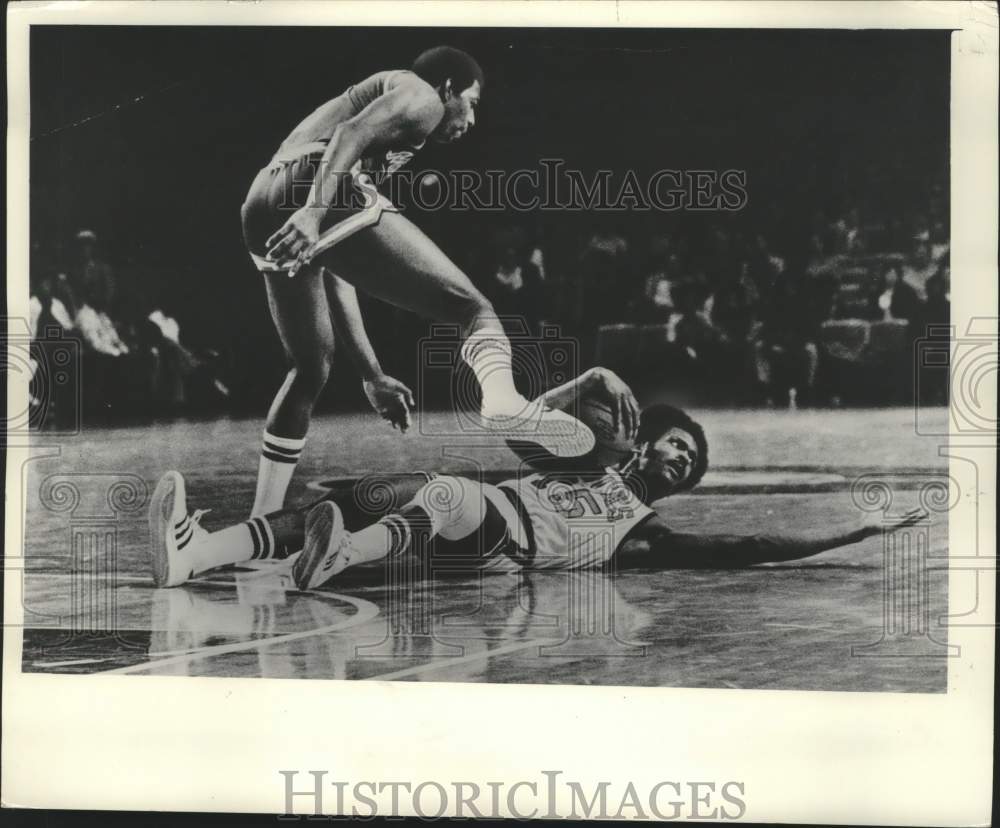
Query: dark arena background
[791, 325]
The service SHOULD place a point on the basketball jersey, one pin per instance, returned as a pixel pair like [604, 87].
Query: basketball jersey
[578, 521]
[346, 106]
[361, 95]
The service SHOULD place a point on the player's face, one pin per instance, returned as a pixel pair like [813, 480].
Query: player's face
[670, 461]
[459, 114]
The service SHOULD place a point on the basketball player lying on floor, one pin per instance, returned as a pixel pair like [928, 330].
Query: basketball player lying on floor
[573, 519]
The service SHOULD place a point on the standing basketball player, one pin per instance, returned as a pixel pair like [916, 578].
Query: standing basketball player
[316, 227]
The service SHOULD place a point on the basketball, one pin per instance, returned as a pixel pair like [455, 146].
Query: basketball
[612, 444]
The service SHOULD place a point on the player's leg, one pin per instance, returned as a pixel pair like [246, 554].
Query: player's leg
[451, 508]
[181, 548]
[396, 262]
[302, 318]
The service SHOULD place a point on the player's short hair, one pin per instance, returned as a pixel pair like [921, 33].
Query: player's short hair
[657, 420]
[444, 63]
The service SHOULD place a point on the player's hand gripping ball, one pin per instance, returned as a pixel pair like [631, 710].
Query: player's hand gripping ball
[613, 442]
[605, 386]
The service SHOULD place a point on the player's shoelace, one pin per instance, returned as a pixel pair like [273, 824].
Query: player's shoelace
[185, 529]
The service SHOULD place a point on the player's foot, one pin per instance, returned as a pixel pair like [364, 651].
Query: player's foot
[327, 549]
[532, 421]
[173, 533]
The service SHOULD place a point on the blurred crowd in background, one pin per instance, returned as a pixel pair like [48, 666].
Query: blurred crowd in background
[130, 359]
[832, 317]
[819, 291]
[723, 314]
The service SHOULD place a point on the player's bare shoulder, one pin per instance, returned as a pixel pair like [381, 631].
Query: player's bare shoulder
[419, 103]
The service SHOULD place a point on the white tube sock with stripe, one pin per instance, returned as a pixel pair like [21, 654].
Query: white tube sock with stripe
[448, 506]
[393, 535]
[488, 353]
[250, 540]
[278, 458]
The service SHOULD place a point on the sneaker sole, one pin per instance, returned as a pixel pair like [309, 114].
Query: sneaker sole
[559, 439]
[321, 523]
[160, 522]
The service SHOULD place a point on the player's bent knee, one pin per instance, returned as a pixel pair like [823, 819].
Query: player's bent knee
[471, 305]
[310, 375]
[454, 504]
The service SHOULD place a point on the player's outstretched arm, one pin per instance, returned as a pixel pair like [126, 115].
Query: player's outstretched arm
[388, 396]
[653, 544]
[404, 115]
[604, 385]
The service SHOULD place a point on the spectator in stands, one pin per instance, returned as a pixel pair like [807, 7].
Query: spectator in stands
[93, 284]
[920, 265]
[516, 286]
[735, 310]
[115, 375]
[820, 280]
[736, 304]
[605, 271]
[787, 356]
[719, 256]
[52, 309]
[657, 301]
[693, 331]
[174, 375]
[537, 257]
[51, 299]
[940, 242]
[933, 329]
[765, 266]
[816, 258]
[933, 326]
[92, 278]
[853, 235]
[894, 298]
[937, 308]
[844, 235]
[153, 371]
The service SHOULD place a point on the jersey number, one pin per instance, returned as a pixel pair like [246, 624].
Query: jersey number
[573, 503]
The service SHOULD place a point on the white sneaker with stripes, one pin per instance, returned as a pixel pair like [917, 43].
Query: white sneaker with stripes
[534, 422]
[173, 532]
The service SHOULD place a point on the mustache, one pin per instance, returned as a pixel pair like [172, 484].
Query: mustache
[677, 465]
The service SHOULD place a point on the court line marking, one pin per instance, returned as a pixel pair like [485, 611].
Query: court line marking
[798, 626]
[249, 582]
[366, 612]
[728, 633]
[448, 662]
[254, 574]
[195, 653]
[72, 663]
